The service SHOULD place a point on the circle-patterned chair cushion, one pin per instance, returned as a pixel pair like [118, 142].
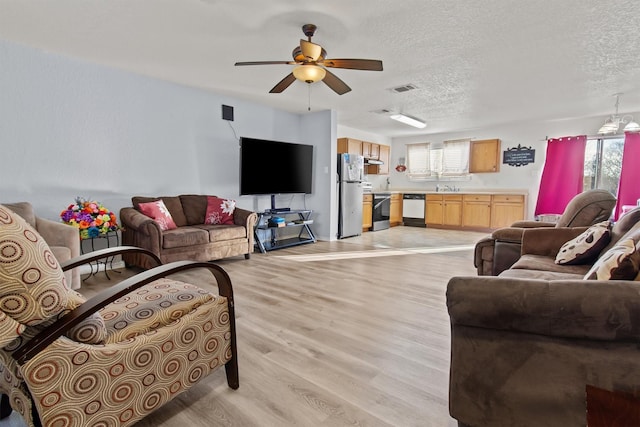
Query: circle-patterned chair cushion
[33, 286]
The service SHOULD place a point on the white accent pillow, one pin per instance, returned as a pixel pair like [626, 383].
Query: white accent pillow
[621, 262]
[587, 246]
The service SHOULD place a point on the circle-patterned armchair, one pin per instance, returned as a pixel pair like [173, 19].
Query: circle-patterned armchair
[112, 359]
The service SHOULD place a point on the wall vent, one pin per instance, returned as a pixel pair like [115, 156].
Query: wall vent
[403, 88]
[382, 111]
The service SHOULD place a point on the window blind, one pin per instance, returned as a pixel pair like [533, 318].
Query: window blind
[418, 160]
[455, 157]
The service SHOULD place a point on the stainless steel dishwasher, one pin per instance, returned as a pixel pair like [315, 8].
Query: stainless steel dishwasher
[413, 210]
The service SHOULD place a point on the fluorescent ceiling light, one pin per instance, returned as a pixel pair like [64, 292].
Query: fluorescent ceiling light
[408, 120]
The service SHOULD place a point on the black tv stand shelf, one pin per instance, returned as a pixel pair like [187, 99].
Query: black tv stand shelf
[269, 238]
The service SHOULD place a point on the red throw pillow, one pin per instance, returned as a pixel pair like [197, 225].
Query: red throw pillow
[219, 211]
[159, 213]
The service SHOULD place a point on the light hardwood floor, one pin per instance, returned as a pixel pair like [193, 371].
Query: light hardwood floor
[352, 332]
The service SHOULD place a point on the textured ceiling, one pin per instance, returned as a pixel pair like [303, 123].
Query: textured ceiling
[476, 63]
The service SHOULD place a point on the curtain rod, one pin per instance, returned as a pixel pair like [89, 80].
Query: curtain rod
[596, 137]
[605, 136]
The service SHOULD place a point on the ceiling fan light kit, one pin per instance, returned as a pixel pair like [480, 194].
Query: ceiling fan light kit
[309, 73]
[408, 120]
[613, 122]
[312, 63]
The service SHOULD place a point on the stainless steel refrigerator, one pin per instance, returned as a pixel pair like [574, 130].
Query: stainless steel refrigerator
[350, 177]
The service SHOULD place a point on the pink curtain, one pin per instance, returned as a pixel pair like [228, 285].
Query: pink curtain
[629, 186]
[562, 176]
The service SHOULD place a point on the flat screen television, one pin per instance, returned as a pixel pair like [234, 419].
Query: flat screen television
[275, 167]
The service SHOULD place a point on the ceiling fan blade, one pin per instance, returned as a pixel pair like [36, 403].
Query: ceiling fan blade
[311, 51]
[354, 64]
[337, 85]
[283, 84]
[265, 63]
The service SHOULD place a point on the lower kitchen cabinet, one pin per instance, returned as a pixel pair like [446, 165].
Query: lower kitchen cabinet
[452, 206]
[477, 210]
[444, 210]
[434, 205]
[367, 212]
[506, 209]
[395, 213]
[474, 211]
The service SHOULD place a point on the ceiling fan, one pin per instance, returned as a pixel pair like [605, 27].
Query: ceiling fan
[312, 63]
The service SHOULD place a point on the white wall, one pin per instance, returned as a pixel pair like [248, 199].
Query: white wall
[530, 134]
[70, 128]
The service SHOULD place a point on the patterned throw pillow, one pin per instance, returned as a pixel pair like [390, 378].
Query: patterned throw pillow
[159, 213]
[34, 291]
[34, 288]
[587, 246]
[219, 211]
[621, 262]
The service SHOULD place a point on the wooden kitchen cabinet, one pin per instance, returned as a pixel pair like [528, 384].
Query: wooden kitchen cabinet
[476, 210]
[484, 156]
[367, 212]
[374, 151]
[452, 209]
[434, 209]
[395, 214]
[506, 209]
[366, 149]
[349, 145]
[443, 210]
[384, 156]
[370, 150]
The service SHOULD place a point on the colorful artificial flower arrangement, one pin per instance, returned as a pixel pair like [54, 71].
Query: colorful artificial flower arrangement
[90, 217]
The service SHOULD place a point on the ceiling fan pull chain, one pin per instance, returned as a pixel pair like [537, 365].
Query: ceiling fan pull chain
[309, 107]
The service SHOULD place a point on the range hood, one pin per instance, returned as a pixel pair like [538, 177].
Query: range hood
[373, 162]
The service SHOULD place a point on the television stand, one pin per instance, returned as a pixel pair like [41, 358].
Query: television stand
[269, 236]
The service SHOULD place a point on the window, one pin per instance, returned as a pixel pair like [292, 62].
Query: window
[451, 160]
[602, 163]
[418, 160]
[455, 158]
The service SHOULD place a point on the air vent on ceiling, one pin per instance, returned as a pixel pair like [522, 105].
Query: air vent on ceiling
[403, 88]
[382, 111]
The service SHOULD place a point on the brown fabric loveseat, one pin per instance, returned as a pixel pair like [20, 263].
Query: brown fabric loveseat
[192, 240]
[525, 344]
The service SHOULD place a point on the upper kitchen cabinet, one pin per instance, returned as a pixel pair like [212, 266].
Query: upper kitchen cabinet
[484, 156]
[385, 158]
[350, 145]
[370, 150]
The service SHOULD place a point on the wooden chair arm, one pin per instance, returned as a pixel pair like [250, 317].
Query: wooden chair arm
[74, 317]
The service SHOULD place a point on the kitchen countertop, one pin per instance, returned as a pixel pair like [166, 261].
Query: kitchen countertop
[462, 191]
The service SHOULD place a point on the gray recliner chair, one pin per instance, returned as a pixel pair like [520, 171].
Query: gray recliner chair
[500, 250]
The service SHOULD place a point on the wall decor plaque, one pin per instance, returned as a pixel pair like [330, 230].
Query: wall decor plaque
[518, 156]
